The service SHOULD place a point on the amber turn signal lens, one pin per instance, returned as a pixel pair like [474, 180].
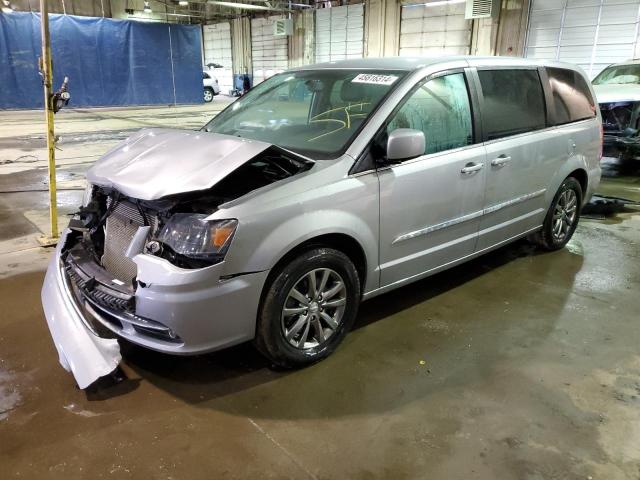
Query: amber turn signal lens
[220, 236]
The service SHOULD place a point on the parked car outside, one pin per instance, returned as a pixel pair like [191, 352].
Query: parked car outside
[211, 87]
[322, 187]
[617, 89]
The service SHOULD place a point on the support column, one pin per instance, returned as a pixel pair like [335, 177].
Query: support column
[302, 43]
[512, 32]
[241, 50]
[47, 80]
[503, 35]
[381, 28]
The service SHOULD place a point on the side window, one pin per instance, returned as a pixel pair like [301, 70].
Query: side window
[440, 108]
[572, 98]
[513, 102]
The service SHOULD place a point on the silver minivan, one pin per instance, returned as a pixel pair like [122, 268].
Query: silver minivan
[324, 186]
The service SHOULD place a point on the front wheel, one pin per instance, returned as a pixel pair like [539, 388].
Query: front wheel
[562, 218]
[308, 308]
[208, 94]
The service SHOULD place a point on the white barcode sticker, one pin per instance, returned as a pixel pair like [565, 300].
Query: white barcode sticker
[374, 78]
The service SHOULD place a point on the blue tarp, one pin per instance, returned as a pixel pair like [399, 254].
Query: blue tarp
[109, 62]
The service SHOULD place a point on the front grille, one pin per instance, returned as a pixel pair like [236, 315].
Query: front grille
[120, 227]
[98, 296]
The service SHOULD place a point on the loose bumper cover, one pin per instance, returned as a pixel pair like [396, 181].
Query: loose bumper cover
[81, 351]
[171, 310]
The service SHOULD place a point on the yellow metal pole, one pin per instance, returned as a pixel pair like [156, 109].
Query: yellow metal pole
[47, 75]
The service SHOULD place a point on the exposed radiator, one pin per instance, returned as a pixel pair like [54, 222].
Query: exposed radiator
[120, 228]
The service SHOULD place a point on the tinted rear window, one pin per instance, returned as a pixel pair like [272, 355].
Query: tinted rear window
[572, 98]
[513, 102]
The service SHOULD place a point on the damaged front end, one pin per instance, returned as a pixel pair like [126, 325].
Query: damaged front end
[621, 127]
[151, 270]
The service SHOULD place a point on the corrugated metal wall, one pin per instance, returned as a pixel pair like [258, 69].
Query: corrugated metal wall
[590, 33]
[269, 53]
[339, 33]
[434, 30]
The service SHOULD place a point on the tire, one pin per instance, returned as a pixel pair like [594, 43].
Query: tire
[561, 217]
[208, 94]
[294, 338]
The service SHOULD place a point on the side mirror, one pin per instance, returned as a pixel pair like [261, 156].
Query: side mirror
[405, 143]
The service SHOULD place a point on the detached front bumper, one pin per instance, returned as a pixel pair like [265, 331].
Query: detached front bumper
[81, 351]
[172, 310]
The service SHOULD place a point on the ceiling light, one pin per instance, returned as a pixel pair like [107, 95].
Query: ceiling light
[147, 8]
[437, 3]
[246, 6]
[183, 3]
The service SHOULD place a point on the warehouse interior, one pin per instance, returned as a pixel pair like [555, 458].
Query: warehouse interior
[516, 365]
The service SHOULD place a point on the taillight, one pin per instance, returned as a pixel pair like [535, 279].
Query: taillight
[600, 153]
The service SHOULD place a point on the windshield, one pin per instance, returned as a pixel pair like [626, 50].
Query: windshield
[314, 113]
[619, 74]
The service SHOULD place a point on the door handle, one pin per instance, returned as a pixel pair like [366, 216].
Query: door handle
[470, 168]
[500, 161]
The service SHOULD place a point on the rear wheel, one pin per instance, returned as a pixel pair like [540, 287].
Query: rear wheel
[310, 305]
[208, 94]
[562, 218]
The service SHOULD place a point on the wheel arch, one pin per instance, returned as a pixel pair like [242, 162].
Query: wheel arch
[574, 167]
[339, 241]
[582, 177]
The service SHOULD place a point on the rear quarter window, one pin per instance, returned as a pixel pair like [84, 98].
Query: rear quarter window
[513, 102]
[572, 100]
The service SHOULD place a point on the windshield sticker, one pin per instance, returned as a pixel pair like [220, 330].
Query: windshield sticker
[374, 78]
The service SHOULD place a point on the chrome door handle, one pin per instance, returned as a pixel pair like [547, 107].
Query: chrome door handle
[500, 161]
[470, 168]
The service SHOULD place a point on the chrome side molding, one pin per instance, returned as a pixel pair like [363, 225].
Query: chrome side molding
[469, 216]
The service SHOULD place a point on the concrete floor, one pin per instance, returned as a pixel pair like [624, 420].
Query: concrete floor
[518, 365]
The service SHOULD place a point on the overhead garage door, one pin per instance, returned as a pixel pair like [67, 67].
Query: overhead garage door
[434, 30]
[590, 33]
[217, 49]
[339, 33]
[269, 52]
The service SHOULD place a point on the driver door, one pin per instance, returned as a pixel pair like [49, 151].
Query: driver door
[430, 206]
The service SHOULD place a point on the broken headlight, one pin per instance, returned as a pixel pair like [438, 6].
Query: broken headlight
[194, 241]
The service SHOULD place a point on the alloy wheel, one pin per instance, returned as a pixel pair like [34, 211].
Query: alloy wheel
[314, 308]
[564, 214]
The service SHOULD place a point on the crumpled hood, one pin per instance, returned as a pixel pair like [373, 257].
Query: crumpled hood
[617, 93]
[156, 162]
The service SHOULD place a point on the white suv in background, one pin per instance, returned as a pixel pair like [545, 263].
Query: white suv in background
[617, 89]
[211, 87]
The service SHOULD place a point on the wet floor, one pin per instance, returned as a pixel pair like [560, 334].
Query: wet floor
[517, 365]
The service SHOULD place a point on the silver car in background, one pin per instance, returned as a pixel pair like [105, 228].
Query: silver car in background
[324, 186]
